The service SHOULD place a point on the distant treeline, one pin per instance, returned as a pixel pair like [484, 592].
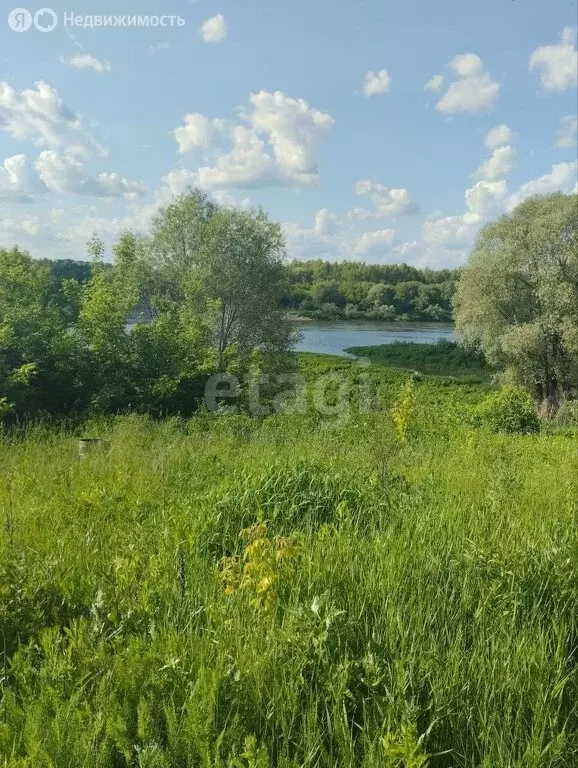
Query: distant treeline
[351, 290]
[345, 291]
[68, 269]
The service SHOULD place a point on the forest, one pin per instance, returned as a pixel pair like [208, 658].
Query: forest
[355, 291]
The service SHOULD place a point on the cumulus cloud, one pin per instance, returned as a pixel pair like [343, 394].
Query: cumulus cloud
[434, 83]
[197, 132]
[375, 242]
[486, 198]
[18, 182]
[277, 145]
[214, 30]
[562, 178]
[324, 222]
[387, 201]
[39, 114]
[87, 61]
[451, 231]
[376, 83]
[247, 165]
[293, 129]
[115, 185]
[324, 239]
[64, 174]
[501, 162]
[567, 130]
[498, 136]
[557, 64]
[473, 91]
[467, 65]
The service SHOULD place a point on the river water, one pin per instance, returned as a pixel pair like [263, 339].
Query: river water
[332, 338]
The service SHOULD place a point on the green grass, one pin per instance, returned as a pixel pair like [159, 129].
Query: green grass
[426, 614]
[445, 358]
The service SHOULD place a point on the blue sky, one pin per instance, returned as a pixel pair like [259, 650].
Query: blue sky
[374, 130]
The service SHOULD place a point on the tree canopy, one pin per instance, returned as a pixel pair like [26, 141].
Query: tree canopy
[517, 298]
[209, 282]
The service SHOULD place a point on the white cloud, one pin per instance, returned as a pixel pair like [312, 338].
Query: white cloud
[87, 61]
[386, 201]
[277, 146]
[247, 165]
[374, 242]
[325, 239]
[567, 130]
[562, 178]
[376, 83]
[467, 65]
[14, 230]
[473, 91]
[293, 128]
[65, 175]
[483, 200]
[501, 162]
[176, 183]
[486, 198]
[451, 231]
[324, 222]
[115, 185]
[227, 200]
[406, 249]
[558, 64]
[214, 30]
[434, 83]
[38, 114]
[18, 182]
[498, 136]
[196, 133]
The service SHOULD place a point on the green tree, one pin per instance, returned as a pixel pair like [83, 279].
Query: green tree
[40, 359]
[107, 300]
[178, 236]
[328, 292]
[381, 294]
[226, 264]
[517, 299]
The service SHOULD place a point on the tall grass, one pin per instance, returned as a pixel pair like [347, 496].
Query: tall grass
[425, 617]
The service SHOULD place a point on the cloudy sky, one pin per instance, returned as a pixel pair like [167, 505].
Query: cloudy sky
[377, 131]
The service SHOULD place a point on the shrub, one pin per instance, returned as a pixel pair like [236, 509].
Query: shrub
[510, 409]
[567, 414]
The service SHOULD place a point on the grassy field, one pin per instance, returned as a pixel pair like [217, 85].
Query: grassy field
[445, 358]
[243, 593]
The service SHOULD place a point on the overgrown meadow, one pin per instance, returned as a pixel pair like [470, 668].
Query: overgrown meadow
[226, 591]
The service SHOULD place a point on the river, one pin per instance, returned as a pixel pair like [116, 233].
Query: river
[332, 338]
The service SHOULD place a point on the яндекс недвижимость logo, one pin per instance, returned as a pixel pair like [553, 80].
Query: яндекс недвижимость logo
[21, 20]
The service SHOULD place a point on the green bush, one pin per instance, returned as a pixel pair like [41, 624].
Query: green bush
[510, 409]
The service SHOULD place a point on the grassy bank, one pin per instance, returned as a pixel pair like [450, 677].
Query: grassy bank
[234, 592]
[445, 358]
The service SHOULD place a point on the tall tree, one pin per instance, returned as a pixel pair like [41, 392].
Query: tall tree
[228, 263]
[517, 299]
